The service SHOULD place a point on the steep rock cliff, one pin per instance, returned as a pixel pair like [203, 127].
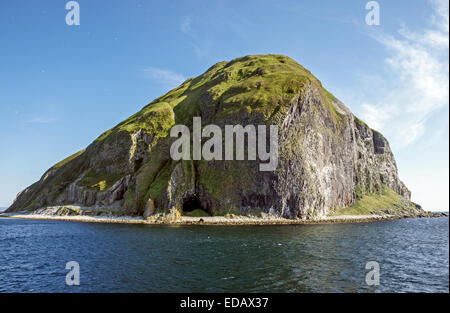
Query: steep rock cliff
[328, 158]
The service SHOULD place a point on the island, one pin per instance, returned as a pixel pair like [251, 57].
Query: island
[331, 166]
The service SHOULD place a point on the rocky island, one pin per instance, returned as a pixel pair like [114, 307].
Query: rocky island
[331, 164]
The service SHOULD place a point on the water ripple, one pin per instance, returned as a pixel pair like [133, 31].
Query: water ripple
[412, 253]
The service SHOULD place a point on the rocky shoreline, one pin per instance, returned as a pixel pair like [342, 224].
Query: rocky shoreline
[217, 220]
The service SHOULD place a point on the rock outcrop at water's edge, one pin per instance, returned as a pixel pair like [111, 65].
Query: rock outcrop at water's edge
[328, 158]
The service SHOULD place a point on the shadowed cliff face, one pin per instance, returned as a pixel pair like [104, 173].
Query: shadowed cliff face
[327, 157]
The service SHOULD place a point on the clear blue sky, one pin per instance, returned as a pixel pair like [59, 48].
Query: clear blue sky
[61, 86]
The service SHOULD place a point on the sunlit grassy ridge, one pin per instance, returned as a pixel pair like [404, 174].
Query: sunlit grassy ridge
[68, 159]
[99, 181]
[387, 202]
[255, 83]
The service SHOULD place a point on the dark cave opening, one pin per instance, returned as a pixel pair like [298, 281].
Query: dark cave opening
[192, 203]
[137, 164]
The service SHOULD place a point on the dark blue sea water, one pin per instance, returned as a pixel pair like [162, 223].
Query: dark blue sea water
[413, 255]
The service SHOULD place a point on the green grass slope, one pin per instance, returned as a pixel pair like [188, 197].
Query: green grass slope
[387, 202]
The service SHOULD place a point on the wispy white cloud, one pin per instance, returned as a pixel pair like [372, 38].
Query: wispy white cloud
[202, 42]
[185, 25]
[440, 17]
[199, 45]
[418, 62]
[164, 77]
[239, 25]
[41, 120]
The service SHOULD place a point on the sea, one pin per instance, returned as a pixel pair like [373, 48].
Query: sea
[407, 255]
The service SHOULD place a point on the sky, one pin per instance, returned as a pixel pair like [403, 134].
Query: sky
[61, 86]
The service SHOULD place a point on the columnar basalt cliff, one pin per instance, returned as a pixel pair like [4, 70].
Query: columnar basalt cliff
[328, 158]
